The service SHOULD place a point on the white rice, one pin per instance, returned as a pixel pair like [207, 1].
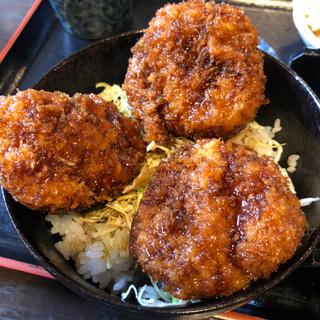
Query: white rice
[101, 256]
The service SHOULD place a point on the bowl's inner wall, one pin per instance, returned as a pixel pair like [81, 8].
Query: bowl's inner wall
[289, 100]
[105, 61]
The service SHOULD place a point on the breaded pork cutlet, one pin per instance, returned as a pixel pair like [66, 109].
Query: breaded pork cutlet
[196, 72]
[61, 152]
[215, 217]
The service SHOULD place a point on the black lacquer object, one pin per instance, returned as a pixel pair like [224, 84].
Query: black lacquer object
[307, 66]
[291, 100]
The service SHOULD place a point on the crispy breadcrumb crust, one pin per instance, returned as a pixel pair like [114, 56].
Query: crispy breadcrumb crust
[196, 72]
[215, 217]
[61, 152]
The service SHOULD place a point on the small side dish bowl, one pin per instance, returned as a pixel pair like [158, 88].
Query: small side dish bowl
[291, 100]
[300, 11]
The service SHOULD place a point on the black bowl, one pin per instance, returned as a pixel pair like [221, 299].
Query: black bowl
[291, 100]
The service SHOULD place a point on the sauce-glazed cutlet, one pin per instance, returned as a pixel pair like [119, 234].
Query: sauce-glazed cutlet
[196, 72]
[61, 152]
[215, 217]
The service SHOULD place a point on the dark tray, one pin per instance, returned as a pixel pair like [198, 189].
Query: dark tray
[43, 44]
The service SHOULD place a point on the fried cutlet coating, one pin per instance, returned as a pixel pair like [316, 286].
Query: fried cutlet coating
[61, 152]
[196, 72]
[215, 217]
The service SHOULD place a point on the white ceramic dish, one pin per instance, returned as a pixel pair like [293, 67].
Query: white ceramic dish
[299, 19]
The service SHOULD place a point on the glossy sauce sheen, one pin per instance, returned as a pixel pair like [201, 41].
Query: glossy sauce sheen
[61, 152]
[215, 217]
[196, 72]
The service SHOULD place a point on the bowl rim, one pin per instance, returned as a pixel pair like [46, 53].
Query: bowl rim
[298, 11]
[114, 303]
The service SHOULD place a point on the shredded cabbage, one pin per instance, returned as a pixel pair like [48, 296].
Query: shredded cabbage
[260, 139]
[153, 159]
[307, 201]
[153, 296]
[117, 96]
[116, 214]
